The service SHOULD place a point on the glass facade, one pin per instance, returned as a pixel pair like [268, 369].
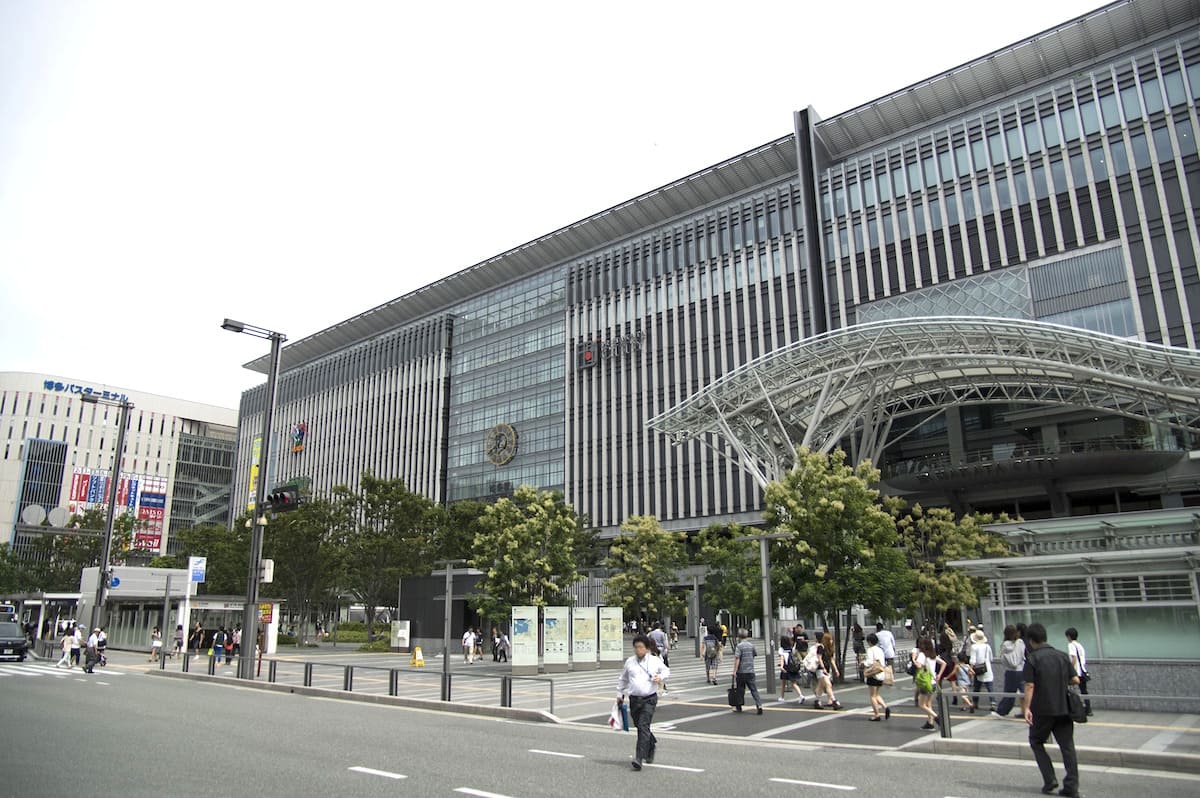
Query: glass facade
[202, 490]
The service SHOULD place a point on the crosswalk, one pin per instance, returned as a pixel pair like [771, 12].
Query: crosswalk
[34, 670]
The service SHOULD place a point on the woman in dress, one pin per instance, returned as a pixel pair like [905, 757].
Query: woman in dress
[827, 669]
[155, 644]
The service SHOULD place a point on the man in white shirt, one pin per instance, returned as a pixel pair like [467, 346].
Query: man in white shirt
[887, 642]
[468, 643]
[92, 654]
[641, 677]
[1079, 663]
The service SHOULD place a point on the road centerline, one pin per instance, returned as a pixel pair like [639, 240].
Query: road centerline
[556, 753]
[387, 774]
[843, 787]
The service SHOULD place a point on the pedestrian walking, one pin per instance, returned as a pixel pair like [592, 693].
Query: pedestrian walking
[1079, 662]
[218, 644]
[874, 665]
[790, 667]
[1048, 672]
[711, 650]
[1012, 658]
[887, 643]
[237, 640]
[674, 634]
[76, 643]
[92, 655]
[505, 646]
[102, 647]
[964, 676]
[661, 643]
[495, 644]
[926, 661]
[227, 647]
[68, 641]
[156, 644]
[826, 671]
[858, 646]
[981, 663]
[178, 640]
[640, 679]
[478, 643]
[468, 644]
[743, 672]
[196, 641]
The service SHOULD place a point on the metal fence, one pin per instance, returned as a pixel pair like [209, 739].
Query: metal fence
[479, 689]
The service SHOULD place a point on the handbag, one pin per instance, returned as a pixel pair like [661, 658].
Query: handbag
[887, 676]
[924, 680]
[736, 698]
[1075, 706]
[875, 668]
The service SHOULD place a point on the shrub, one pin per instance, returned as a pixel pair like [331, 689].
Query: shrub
[381, 645]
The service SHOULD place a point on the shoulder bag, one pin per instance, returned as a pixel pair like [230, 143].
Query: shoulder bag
[1075, 706]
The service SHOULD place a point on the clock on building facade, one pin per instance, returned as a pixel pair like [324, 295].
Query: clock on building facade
[501, 444]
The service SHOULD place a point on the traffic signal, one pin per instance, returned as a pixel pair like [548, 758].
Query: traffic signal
[284, 498]
[589, 352]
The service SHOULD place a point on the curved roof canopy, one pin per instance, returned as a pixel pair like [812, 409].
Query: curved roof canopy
[856, 381]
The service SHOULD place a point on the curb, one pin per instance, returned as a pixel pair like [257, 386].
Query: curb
[507, 713]
[1105, 757]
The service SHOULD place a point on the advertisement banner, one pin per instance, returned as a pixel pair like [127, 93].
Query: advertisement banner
[556, 651]
[612, 640]
[400, 633]
[583, 638]
[255, 452]
[196, 568]
[524, 639]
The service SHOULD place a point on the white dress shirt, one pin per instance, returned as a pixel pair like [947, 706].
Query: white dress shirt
[637, 677]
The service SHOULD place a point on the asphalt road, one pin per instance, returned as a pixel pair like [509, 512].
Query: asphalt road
[121, 732]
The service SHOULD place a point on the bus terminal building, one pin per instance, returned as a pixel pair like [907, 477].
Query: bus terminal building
[1006, 245]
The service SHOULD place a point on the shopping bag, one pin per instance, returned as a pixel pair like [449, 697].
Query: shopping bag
[615, 717]
[887, 676]
[624, 716]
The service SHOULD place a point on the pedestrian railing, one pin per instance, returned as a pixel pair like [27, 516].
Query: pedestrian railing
[504, 690]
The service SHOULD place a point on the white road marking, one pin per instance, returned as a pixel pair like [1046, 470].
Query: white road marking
[373, 772]
[843, 787]
[480, 793]
[674, 767]
[555, 753]
[106, 684]
[824, 718]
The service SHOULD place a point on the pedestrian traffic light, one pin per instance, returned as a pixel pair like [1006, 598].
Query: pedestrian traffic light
[284, 498]
[588, 352]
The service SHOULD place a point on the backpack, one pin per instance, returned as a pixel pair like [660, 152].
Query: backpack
[811, 663]
[711, 649]
[792, 663]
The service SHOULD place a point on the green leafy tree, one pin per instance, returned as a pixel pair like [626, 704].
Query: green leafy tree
[388, 533]
[734, 579]
[645, 561]
[526, 547]
[16, 574]
[304, 544]
[842, 545]
[227, 555]
[459, 524]
[932, 536]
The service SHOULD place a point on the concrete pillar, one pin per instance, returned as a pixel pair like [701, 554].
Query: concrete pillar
[954, 436]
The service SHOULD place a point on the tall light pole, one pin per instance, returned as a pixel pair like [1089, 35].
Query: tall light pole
[110, 515]
[250, 613]
[764, 556]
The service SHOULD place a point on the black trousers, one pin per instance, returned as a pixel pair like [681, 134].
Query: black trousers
[1064, 734]
[641, 712]
[1012, 684]
[741, 682]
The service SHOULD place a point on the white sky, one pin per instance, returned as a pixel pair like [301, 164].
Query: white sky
[166, 165]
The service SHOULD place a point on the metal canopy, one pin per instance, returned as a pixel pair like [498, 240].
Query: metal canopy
[856, 381]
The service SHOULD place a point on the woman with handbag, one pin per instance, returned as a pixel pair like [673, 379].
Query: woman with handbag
[926, 662]
[873, 667]
[826, 669]
[981, 663]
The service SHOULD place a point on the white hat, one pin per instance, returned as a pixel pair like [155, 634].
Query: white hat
[978, 636]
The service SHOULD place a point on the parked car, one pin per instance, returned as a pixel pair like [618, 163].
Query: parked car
[13, 644]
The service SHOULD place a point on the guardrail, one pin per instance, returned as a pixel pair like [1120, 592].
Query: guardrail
[473, 688]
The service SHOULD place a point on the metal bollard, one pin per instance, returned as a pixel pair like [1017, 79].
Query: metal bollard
[506, 691]
[394, 682]
[943, 702]
[162, 660]
[212, 665]
[186, 662]
[271, 671]
[348, 678]
[445, 687]
[308, 674]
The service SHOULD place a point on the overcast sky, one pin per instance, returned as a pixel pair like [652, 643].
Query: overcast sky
[166, 165]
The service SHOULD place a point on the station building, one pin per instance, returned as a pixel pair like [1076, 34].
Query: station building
[57, 451]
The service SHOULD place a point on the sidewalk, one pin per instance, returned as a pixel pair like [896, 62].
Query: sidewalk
[1154, 740]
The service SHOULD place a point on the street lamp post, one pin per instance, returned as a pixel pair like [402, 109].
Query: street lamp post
[110, 514]
[768, 608]
[250, 613]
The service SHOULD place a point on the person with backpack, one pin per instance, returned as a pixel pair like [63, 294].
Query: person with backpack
[218, 643]
[789, 669]
[711, 651]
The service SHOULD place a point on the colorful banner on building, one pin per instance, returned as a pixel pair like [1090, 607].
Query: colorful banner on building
[299, 435]
[255, 456]
[144, 496]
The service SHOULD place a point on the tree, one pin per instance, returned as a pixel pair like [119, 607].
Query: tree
[58, 559]
[227, 555]
[460, 523]
[842, 546]
[304, 545]
[526, 548]
[388, 533]
[734, 579]
[646, 559]
[931, 537]
[16, 573]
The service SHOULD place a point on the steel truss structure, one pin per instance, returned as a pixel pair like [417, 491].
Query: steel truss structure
[855, 382]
